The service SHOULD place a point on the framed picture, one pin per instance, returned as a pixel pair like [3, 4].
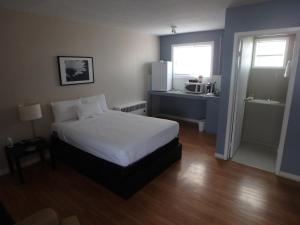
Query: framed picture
[75, 70]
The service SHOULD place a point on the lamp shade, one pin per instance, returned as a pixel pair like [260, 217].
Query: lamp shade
[30, 112]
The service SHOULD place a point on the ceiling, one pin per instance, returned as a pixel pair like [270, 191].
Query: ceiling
[146, 16]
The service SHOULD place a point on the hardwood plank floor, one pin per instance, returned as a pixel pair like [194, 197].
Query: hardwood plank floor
[197, 190]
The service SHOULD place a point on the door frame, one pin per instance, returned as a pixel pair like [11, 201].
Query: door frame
[229, 127]
[235, 109]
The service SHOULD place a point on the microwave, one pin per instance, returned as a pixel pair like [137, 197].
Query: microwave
[196, 88]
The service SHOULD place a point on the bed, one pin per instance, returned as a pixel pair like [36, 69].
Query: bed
[122, 151]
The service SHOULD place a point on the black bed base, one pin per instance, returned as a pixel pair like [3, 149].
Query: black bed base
[124, 181]
[5, 217]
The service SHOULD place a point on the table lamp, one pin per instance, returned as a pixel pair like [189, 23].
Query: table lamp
[30, 113]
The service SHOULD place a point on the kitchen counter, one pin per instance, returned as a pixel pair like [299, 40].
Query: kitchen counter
[185, 106]
[183, 94]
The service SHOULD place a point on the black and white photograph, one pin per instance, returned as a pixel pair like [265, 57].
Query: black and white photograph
[75, 70]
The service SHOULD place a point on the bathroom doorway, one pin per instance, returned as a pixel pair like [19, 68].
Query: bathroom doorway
[264, 67]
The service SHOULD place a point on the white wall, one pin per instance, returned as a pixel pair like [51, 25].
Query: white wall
[268, 84]
[262, 123]
[29, 45]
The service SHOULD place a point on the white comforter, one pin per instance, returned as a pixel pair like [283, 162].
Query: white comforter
[118, 137]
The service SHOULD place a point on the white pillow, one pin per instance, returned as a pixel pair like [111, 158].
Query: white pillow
[88, 110]
[100, 99]
[64, 110]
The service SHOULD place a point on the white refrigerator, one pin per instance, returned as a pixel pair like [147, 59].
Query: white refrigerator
[161, 76]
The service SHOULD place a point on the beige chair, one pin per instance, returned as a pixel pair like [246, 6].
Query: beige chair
[48, 217]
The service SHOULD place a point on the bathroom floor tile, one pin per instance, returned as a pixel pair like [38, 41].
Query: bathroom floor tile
[256, 155]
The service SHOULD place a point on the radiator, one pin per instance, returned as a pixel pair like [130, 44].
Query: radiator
[139, 108]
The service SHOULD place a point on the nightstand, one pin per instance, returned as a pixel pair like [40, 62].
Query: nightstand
[23, 149]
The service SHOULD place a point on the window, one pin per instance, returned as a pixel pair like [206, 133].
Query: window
[192, 60]
[270, 52]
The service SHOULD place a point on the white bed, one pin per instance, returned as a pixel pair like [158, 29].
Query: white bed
[117, 137]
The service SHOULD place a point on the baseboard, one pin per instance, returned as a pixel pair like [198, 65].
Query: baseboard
[220, 156]
[178, 118]
[289, 176]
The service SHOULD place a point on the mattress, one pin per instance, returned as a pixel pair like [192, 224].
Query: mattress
[117, 137]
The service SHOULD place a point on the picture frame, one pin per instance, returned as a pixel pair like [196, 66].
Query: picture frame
[74, 70]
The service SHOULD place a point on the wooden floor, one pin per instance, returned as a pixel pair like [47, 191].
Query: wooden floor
[197, 190]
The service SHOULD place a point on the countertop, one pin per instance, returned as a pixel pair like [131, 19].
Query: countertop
[183, 94]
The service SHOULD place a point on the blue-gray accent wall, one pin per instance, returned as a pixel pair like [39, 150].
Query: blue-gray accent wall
[167, 41]
[190, 108]
[268, 15]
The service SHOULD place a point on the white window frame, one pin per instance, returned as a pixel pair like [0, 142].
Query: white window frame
[212, 43]
[271, 39]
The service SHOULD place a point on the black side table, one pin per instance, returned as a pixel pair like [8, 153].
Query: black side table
[23, 149]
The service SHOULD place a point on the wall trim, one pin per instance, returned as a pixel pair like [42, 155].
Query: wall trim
[288, 103]
[289, 176]
[220, 156]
